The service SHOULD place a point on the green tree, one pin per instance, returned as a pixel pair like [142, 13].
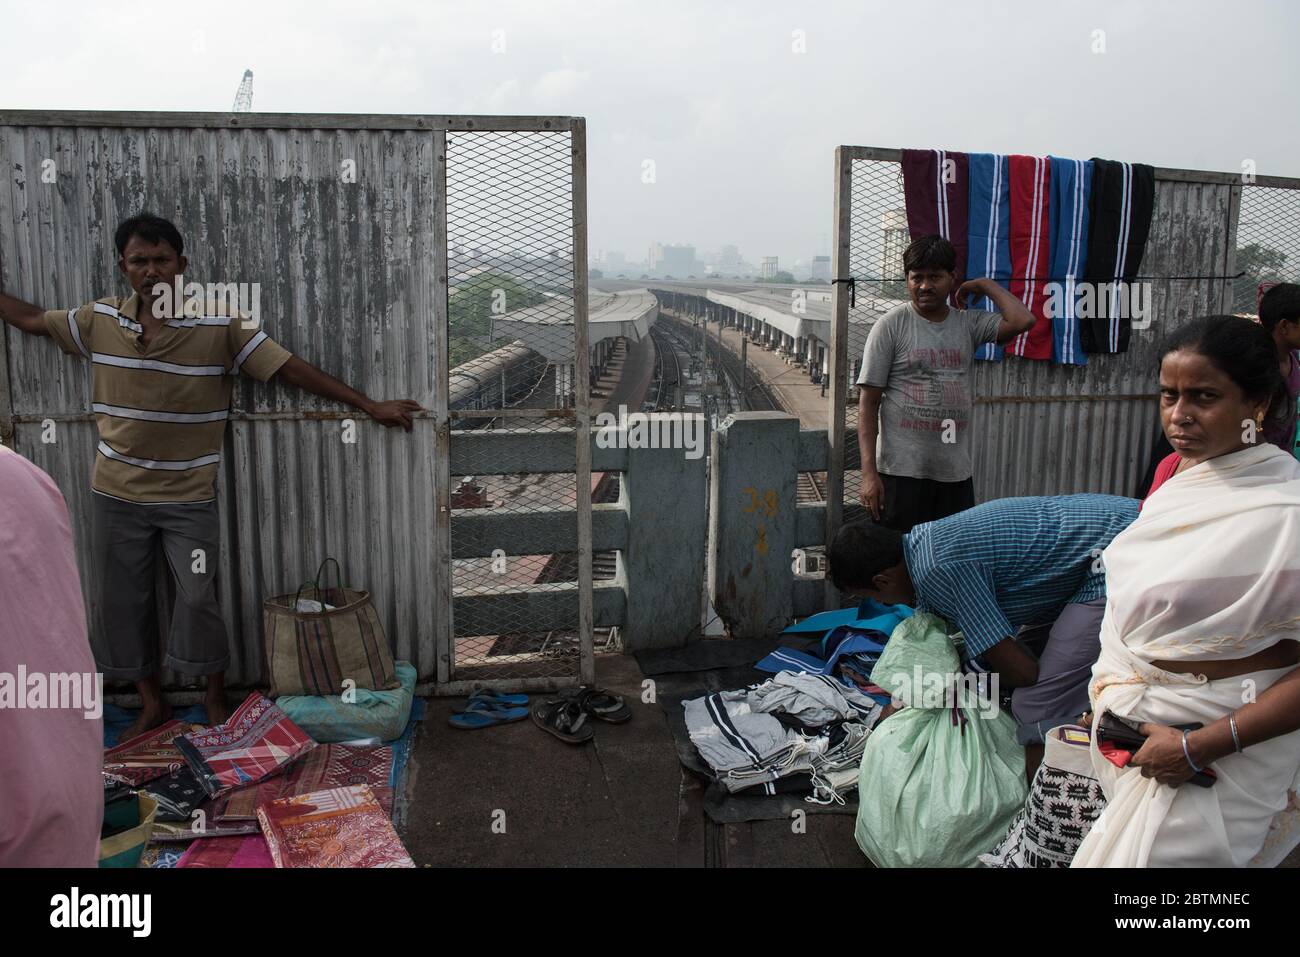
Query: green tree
[1259, 263]
[470, 312]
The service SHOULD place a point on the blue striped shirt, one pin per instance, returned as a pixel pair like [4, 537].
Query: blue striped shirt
[1013, 561]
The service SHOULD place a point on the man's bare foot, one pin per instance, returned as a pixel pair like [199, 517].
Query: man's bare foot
[150, 718]
[218, 710]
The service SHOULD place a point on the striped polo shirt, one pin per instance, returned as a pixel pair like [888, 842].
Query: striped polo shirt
[161, 411]
[1013, 561]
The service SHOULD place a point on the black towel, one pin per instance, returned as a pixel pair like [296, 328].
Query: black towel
[1123, 197]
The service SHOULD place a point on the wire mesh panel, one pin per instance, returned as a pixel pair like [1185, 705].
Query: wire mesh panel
[877, 237]
[1268, 243]
[516, 313]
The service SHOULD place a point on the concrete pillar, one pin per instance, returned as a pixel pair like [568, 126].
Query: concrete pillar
[663, 493]
[752, 521]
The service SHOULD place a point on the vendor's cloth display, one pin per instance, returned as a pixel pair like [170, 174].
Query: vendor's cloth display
[256, 742]
[1209, 571]
[227, 852]
[149, 755]
[794, 724]
[327, 766]
[338, 827]
[941, 779]
[1064, 802]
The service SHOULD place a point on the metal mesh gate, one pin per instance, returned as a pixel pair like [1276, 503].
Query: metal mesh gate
[520, 545]
[1268, 242]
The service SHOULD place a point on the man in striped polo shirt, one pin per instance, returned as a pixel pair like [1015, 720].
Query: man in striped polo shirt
[161, 379]
[988, 571]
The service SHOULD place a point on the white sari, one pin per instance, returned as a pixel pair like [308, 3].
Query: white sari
[1209, 571]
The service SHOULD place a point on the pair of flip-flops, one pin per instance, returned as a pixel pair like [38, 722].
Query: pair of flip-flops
[486, 709]
[565, 716]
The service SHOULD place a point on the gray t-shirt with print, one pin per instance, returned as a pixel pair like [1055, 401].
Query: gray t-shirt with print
[925, 368]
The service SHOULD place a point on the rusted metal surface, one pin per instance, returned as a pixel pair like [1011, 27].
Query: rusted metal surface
[340, 222]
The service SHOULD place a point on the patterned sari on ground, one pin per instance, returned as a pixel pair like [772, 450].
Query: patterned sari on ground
[1209, 571]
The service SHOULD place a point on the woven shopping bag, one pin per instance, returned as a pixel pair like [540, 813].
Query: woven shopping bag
[319, 638]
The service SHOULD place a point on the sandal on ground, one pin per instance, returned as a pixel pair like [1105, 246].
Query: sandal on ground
[563, 718]
[600, 704]
[471, 719]
[484, 699]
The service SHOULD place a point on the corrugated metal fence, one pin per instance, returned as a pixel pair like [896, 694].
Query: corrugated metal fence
[341, 221]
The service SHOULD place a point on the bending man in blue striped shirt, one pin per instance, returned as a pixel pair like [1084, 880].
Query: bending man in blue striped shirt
[989, 570]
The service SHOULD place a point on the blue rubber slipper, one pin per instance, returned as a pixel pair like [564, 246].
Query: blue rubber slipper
[480, 700]
[472, 720]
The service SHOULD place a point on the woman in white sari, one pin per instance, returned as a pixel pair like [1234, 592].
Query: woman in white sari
[1202, 625]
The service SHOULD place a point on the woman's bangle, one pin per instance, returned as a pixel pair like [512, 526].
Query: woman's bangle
[1232, 724]
[1188, 755]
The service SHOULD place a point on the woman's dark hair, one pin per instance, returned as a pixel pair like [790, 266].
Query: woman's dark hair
[860, 552]
[929, 252]
[1240, 349]
[1279, 304]
[150, 228]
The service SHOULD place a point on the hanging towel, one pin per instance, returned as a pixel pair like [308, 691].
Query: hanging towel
[988, 251]
[1071, 191]
[1030, 251]
[1123, 198]
[935, 190]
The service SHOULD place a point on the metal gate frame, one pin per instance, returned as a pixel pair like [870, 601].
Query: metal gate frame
[580, 415]
[430, 652]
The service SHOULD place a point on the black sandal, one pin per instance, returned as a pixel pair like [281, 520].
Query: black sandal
[563, 718]
[600, 704]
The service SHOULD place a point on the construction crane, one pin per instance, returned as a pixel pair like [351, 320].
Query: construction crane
[244, 96]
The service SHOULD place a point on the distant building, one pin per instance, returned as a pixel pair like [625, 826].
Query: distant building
[674, 260]
[614, 262]
[729, 261]
[821, 268]
[896, 237]
[769, 268]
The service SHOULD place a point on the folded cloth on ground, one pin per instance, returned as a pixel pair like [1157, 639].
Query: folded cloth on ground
[327, 766]
[1064, 802]
[840, 642]
[258, 740]
[147, 756]
[227, 852]
[375, 714]
[338, 827]
[739, 736]
[177, 794]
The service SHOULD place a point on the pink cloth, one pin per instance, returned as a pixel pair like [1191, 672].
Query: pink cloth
[51, 759]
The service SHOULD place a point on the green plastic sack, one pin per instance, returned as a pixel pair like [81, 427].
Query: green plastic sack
[931, 794]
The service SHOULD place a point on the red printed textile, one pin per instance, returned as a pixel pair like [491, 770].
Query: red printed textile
[227, 852]
[340, 827]
[258, 741]
[327, 766]
[1031, 191]
[148, 756]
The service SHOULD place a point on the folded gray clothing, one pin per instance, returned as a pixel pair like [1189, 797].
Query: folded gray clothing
[737, 735]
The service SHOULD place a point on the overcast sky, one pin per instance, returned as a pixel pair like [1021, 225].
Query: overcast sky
[740, 126]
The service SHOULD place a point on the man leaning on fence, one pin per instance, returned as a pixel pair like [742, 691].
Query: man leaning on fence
[914, 389]
[161, 383]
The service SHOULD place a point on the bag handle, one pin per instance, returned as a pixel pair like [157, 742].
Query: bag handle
[315, 582]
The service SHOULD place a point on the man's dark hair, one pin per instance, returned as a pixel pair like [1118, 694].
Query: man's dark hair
[150, 228]
[1279, 304]
[930, 252]
[860, 552]
[1240, 349]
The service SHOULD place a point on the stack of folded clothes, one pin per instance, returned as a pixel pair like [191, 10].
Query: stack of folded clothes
[798, 732]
